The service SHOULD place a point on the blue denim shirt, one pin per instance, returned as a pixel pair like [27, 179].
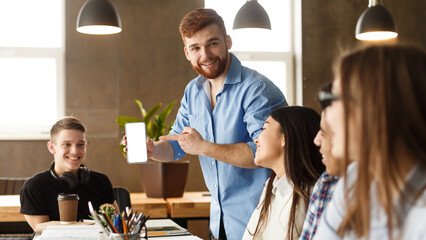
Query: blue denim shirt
[244, 103]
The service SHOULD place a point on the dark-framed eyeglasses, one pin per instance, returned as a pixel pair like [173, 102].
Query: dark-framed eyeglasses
[327, 96]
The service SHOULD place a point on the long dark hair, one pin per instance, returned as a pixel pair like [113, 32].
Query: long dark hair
[302, 161]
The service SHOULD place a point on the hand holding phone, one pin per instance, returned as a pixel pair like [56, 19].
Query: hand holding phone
[136, 142]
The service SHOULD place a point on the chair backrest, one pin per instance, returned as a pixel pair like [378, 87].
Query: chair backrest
[122, 196]
[11, 186]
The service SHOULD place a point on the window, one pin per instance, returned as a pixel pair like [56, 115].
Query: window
[31, 67]
[270, 52]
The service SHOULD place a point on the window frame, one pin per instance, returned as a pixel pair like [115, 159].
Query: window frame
[286, 57]
[39, 132]
[292, 58]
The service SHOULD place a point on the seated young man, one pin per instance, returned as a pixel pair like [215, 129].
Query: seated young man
[324, 187]
[66, 175]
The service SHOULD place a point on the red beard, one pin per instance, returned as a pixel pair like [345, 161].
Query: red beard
[214, 72]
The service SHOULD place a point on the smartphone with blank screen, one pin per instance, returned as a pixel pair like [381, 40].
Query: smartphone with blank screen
[136, 142]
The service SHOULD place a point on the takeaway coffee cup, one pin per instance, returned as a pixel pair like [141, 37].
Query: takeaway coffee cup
[68, 205]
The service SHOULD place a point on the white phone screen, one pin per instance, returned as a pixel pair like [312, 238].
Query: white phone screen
[136, 142]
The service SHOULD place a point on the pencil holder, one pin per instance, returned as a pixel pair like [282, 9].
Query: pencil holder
[128, 236]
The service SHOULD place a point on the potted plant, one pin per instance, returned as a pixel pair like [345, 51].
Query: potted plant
[160, 179]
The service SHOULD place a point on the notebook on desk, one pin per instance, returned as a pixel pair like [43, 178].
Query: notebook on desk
[165, 227]
[42, 226]
[82, 232]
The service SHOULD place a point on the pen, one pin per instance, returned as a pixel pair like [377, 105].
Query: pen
[124, 228]
[132, 218]
[124, 214]
[124, 225]
[96, 217]
[143, 222]
[110, 223]
[136, 228]
[117, 223]
[128, 211]
[108, 227]
[139, 223]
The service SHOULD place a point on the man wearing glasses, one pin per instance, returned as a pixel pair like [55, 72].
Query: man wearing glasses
[324, 187]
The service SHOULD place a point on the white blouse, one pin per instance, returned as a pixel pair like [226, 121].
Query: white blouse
[413, 226]
[279, 213]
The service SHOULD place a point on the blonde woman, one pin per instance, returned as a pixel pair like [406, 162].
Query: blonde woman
[378, 120]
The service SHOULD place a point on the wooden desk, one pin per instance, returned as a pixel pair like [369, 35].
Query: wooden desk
[60, 231]
[190, 205]
[9, 209]
[153, 207]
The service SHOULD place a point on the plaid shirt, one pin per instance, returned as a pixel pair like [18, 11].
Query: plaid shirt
[320, 198]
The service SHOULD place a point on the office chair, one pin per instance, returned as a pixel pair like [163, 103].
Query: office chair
[122, 196]
[10, 185]
[13, 230]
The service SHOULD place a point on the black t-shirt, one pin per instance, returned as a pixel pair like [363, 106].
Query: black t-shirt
[39, 195]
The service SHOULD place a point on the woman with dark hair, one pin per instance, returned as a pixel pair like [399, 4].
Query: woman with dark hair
[378, 120]
[286, 146]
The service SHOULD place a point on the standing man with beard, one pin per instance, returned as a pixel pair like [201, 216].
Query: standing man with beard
[222, 111]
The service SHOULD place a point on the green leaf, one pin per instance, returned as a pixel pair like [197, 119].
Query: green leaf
[122, 120]
[152, 112]
[143, 112]
[169, 127]
[149, 129]
[163, 115]
[155, 127]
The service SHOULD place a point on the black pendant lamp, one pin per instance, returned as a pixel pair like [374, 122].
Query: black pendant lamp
[98, 17]
[252, 15]
[375, 23]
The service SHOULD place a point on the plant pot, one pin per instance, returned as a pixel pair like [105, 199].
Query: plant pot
[164, 179]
